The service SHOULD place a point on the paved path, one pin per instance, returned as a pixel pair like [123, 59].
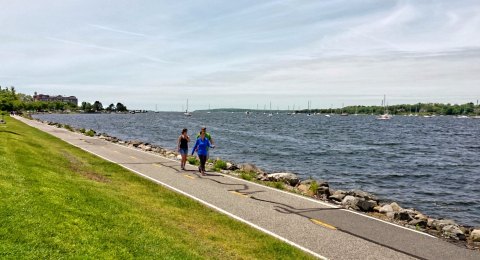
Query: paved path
[316, 227]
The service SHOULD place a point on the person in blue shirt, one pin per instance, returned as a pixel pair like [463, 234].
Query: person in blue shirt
[201, 148]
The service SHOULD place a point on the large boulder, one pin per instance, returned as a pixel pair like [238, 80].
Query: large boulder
[386, 209]
[439, 224]
[403, 216]
[338, 195]
[135, 143]
[418, 223]
[396, 207]
[363, 194]
[453, 231]
[231, 166]
[286, 177]
[322, 190]
[350, 201]
[248, 167]
[366, 205]
[475, 235]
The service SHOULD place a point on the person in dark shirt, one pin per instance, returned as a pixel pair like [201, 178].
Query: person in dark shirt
[182, 147]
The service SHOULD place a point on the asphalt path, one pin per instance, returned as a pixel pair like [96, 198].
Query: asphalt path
[319, 228]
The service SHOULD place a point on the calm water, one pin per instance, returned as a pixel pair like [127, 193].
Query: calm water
[431, 164]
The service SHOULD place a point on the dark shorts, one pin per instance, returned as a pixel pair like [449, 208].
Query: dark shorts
[183, 151]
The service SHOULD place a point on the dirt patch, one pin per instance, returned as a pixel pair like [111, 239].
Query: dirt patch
[77, 166]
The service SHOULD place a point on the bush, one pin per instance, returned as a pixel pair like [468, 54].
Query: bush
[279, 185]
[313, 187]
[90, 133]
[248, 176]
[68, 127]
[82, 130]
[193, 160]
[220, 165]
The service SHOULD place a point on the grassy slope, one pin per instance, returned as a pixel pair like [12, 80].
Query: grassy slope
[59, 201]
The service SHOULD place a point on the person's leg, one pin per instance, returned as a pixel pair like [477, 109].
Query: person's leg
[184, 160]
[203, 160]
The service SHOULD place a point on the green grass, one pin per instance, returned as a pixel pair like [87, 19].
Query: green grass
[193, 160]
[58, 201]
[219, 165]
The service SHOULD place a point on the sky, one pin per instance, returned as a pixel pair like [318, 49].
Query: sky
[157, 54]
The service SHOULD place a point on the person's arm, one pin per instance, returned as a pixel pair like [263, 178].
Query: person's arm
[178, 143]
[195, 147]
[188, 138]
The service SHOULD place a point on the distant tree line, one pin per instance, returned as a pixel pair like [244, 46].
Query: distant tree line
[10, 100]
[405, 109]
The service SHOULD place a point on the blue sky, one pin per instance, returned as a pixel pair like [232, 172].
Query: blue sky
[243, 53]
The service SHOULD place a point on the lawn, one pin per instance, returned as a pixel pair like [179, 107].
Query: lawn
[58, 201]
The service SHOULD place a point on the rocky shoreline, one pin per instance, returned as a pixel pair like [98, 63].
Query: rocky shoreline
[355, 200]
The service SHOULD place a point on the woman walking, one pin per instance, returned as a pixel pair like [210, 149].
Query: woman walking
[182, 147]
[201, 148]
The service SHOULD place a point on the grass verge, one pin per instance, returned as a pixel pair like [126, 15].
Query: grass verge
[61, 202]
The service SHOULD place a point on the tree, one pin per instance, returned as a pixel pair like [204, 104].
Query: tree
[121, 107]
[97, 106]
[110, 107]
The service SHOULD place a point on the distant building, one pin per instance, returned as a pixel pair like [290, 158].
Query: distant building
[42, 97]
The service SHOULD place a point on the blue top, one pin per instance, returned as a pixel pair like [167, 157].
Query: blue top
[202, 146]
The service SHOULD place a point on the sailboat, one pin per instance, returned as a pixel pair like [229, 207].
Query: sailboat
[478, 112]
[208, 112]
[156, 109]
[186, 111]
[385, 115]
[343, 113]
[270, 114]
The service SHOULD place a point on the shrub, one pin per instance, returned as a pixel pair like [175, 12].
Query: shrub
[68, 127]
[220, 165]
[248, 176]
[82, 130]
[279, 185]
[314, 187]
[193, 160]
[90, 133]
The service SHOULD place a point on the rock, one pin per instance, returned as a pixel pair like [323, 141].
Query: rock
[395, 207]
[286, 177]
[322, 190]
[475, 235]
[337, 196]
[363, 194]
[377, 208]
[386, 209]
[390, 214]
[430, 222]
[421, 216]
[231, 166]
[403, 216]
[135, 143]
[248, 167]
[350, 201]
[366, 205]
[440, 224]
[418, 222]
[453, 231]
[179, 157]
